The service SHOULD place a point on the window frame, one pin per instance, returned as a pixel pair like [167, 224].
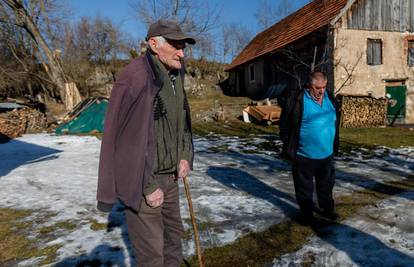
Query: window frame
[410, 63]
[371, 45]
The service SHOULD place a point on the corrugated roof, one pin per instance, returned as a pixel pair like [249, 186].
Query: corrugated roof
[10, 105]
[309, 18]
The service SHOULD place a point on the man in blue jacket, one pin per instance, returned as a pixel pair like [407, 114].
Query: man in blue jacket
[309, 131]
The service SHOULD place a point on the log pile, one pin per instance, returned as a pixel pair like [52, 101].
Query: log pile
[362, 111]
[17, 122]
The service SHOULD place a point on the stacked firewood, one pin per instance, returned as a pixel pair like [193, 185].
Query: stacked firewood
[17, 122]
[363, 111]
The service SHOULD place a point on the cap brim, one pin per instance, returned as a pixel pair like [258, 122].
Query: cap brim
[180, 37]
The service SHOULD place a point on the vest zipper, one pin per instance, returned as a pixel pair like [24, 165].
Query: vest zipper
[172, 79]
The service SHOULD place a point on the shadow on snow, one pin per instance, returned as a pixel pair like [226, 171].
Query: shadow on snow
[243, 181]
[351, 241]
[15, 153]
[105, 254]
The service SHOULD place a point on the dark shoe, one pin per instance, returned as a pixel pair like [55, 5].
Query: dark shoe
[331, 215]
[306, 219]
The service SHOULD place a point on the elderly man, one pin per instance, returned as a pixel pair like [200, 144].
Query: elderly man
[309, 131]
[147, 146]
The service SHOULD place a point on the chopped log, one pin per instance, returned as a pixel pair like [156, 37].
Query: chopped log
[17, 122]
[362, 111]
[72, 96]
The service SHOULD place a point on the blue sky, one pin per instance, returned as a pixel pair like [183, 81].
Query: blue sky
[234, 11]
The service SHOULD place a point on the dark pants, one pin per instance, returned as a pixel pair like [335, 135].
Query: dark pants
[156, 234]
[304, 169]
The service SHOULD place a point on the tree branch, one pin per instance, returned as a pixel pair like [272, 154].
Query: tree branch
[349, 79]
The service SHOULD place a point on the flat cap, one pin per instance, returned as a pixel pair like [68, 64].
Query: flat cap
[169, 29]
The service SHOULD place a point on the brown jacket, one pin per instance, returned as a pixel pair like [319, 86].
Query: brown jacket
[128, 147]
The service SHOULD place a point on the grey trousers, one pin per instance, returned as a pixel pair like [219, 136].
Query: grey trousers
[155, 233]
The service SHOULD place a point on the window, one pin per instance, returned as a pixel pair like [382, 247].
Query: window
[251, 73]
[374, 52]
[410, 53]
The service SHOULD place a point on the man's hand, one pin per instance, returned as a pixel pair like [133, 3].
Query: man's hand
[155, 199]
[184, 169]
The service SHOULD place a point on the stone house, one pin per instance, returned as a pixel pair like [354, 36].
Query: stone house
[365, 46]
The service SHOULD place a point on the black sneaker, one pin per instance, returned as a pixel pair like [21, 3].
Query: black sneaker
[331, 215]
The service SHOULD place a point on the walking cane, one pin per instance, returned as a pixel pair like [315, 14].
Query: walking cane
[193, 221]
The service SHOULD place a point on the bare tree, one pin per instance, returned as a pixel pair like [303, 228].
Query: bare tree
[25, 16]
[291, 64]
[92, 47]
[205, 46]
[83, 35]
[196, 17]
[268, 13]
[349, 69]
[96, 39]
[296, 62]
[234, 38]
[40, 51]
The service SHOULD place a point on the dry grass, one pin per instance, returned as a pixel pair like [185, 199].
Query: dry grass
[257, 249]
[390, 137]
[203, 107]
[97, 226]
[14, 244]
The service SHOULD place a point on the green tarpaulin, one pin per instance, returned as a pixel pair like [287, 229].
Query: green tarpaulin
[90, 119]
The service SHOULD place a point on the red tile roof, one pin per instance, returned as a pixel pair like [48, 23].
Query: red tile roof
[309, 18]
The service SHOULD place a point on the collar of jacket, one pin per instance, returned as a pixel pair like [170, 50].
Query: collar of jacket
[331, 96]
[158, 81]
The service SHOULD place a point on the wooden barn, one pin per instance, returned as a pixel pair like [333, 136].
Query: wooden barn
[365, 46]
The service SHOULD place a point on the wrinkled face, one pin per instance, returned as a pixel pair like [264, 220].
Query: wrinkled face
[170, 53]
[318, 86]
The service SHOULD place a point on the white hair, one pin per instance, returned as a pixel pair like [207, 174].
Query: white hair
[160, 40]
[317, 75]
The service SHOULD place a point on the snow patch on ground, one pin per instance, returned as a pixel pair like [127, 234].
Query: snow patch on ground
[381, 235]
[238, 186]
